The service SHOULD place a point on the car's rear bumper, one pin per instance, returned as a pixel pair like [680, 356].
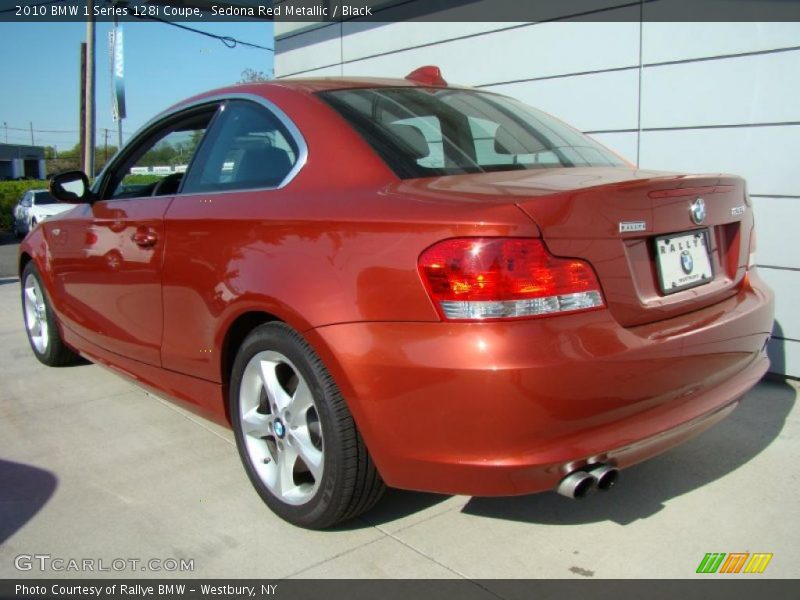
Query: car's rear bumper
[509, 408]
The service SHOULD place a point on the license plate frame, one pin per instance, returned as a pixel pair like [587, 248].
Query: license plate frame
[673, 277]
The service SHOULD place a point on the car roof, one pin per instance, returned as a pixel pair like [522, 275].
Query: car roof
[313, 85]
[308, 85]
[320, 84]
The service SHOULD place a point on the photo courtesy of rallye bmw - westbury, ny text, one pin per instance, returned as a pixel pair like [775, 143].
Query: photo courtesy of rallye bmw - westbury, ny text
[144, 590]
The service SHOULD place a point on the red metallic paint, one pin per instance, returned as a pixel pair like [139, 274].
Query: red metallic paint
[475, 408]
[108, 288]
[479, 408]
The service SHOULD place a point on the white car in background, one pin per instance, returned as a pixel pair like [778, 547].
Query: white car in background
[34, 207]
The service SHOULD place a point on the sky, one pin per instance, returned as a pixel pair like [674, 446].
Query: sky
[163, 64]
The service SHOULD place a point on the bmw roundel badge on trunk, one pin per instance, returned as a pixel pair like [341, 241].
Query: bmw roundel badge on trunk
[698, 211]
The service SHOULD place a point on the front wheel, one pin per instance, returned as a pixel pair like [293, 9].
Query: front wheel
[296, 438]
[41, 324]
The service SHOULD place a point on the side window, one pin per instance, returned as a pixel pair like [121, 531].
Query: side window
[247, 148]
[157, 165]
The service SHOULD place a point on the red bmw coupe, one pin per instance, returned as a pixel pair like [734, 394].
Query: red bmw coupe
[405, 283]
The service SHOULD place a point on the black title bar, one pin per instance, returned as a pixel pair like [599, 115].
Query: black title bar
[320, 11]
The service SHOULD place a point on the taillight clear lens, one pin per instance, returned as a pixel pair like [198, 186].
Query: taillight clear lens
[505, 278]
[751, 259]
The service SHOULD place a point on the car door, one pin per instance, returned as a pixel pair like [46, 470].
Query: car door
[107, 256]
[227, 217]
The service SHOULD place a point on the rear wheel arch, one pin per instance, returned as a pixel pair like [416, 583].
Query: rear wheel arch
[232, 340]
[234, 328]
[345, 482]
[246, 322]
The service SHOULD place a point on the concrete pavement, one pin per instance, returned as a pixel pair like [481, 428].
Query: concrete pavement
[91, 467]
[8, 255]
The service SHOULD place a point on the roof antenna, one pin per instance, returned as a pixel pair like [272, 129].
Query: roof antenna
[427, 75]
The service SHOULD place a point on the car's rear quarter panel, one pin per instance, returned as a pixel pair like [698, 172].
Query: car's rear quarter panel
[309, 257]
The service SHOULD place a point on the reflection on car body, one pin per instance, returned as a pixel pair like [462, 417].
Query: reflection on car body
[34, 207]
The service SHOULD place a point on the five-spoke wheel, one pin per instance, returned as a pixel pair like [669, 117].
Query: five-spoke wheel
[297, 439]
[35, 313]
[281, 427]
[41, 324]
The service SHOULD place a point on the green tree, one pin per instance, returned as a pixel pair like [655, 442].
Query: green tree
[253, 76]
[68, 159]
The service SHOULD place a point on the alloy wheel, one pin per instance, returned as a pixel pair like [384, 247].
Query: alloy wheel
[281, 428]
[36, 314]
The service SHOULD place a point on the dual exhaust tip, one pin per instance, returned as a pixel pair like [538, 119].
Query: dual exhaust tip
[580, 484]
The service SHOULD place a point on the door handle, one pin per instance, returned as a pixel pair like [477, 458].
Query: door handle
[145, 237]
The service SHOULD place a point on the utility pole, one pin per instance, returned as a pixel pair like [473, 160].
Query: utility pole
[105, 145]
[82, 115]
[5, 125]
[32, 142]
[90, 91]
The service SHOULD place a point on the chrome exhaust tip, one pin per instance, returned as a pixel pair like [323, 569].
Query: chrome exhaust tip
[577, 484]
[606, 477]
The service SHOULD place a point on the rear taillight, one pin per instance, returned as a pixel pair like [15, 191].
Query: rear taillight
[751, 258]
[505, 278]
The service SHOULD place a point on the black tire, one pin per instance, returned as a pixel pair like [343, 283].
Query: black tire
[54, 352]
[349, 484]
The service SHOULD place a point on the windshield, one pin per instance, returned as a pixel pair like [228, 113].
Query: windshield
[40, 198]
[424, 132]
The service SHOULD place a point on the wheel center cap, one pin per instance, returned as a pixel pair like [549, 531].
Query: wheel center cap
[280, 429]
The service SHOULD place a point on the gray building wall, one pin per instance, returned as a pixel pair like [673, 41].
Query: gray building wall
[694, 97]
[21, 161]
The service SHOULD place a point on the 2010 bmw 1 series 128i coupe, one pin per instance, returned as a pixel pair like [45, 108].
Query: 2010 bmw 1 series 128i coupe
[404, 283]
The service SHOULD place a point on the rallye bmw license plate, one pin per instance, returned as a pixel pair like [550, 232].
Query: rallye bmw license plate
[683, 260]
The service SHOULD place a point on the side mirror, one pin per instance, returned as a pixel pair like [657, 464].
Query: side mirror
[71, 187]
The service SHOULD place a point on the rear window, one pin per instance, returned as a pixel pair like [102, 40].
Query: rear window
[424, 132]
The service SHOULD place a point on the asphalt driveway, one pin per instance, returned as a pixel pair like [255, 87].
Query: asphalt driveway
[91, 467]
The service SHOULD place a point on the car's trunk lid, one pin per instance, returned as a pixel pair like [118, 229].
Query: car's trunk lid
[612, 218]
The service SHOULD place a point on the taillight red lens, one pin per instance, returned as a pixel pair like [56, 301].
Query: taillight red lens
[502, 278]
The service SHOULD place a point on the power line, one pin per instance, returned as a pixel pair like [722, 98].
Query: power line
[229, 41]
[27, 129]
[57, 131]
